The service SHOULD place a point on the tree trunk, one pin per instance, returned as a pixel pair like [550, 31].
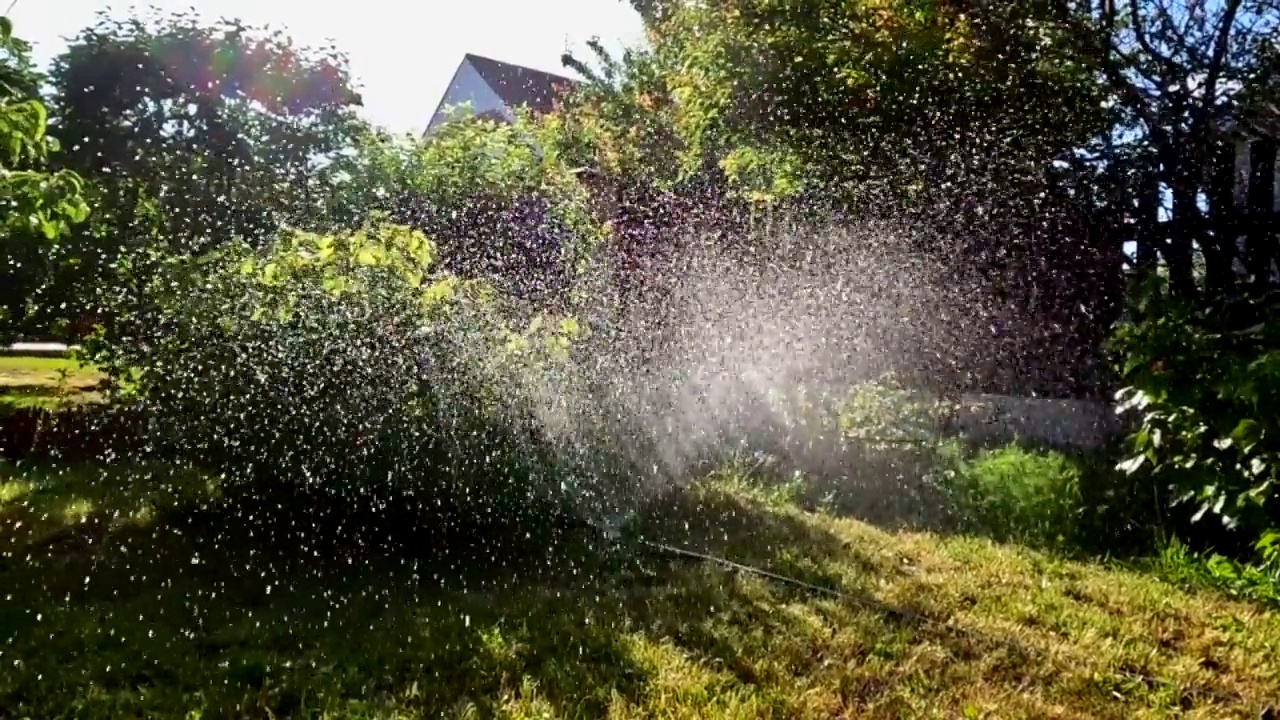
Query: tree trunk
[1219, 242]
[1148, 226]
[1261, 250]
[1178, 248]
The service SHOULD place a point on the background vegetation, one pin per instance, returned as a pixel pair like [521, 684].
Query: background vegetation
[303, 336]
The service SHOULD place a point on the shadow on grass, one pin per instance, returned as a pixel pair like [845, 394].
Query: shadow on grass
[264, 607]
[252, 606]
[66, 431]
[40, 390]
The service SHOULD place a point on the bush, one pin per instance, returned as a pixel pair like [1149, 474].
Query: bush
[498, 201]
[1258, 581]
[1203, 382]
[872, 451]
[1013, 493]
[1066, 501]
[342, 364]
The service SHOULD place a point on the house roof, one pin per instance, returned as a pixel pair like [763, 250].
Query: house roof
[518, 85]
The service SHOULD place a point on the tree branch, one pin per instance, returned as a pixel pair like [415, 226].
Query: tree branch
[1221, 44]
[1144, 42]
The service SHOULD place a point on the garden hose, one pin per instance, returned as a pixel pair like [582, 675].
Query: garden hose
[883, 608]
[899, 613]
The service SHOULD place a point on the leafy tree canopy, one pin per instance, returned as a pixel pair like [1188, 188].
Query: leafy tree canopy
[218, 124]
[40, 206]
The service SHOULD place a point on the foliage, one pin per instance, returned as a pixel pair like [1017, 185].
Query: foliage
[40, 206]
[1258, 581]
[1191, 78]
[1202, 381]
[192, 132]
[1068, 501]
[1020, 495]
[621, 119]
[875, 451]
[496, 197]
[885, 413]
[343, 363]
[871, 92]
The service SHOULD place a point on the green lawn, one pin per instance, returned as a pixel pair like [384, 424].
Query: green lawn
[141, 593]
[45, 381]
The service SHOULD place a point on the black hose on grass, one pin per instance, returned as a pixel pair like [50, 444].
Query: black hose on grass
[899, 613]
[614, 537]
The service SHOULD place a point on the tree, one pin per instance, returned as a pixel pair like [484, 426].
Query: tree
[1184, 72]
[620, 120]
[497, 197]
[911, 97]
[40, 206]
[1195, 78]
[194, 132]
[932, 113]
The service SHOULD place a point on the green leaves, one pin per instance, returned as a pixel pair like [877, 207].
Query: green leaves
[22, 127]
[41, 206]
[855, 89]
[337, 262]
[1204, 387]
[1132, 464]
[884, 414]
[1247, 433]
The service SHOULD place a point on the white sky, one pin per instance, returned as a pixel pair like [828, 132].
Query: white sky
[403, 52]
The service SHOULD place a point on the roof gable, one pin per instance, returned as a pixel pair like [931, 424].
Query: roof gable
[468, 86]
[518, 85]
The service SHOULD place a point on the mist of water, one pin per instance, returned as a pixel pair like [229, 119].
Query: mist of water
[729, 350]
[732, 348]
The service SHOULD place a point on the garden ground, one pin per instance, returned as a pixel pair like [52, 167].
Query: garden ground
[27, 381]
[140, 592]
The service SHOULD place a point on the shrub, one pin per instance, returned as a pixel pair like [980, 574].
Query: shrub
[1067, 501]
[499, 202]
[885, 413]
[1013, 493]
[876, 450]
[343, 364]
[1202, 384]
[1258, 581]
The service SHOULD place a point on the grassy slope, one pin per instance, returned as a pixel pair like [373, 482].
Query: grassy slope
[152, 608]
[27, 381]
